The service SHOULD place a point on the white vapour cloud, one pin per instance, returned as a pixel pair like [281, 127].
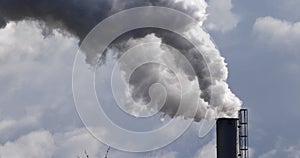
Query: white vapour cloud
[150, 73]
[220, 16]
[201, 6]
[277, 33]
[221, 101]
[222, 96]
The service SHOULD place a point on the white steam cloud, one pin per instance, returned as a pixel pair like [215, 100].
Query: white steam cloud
[216, 99]
[209, 80]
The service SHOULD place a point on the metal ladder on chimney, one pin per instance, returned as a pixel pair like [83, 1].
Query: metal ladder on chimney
[243, 134]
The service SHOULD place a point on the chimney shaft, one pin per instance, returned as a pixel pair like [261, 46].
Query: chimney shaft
[227, 138]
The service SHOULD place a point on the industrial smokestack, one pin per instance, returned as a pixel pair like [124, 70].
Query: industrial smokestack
[227, 138]
[232, 136]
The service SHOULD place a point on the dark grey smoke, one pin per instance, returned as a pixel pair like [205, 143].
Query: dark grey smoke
[2, 23]
[74, 16]
[77, 17]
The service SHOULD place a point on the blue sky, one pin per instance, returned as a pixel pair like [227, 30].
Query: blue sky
[260, 40]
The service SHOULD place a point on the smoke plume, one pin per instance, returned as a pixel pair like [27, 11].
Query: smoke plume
[78, 17]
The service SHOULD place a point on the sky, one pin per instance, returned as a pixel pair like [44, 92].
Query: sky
[260, 40]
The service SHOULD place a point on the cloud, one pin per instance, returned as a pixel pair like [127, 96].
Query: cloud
[269, 154]
[171, 154]
[13, 127]
[281, 149]
[277, 33]
[42, 143]
[35, 80]
[208, 150]
[220, 16]
[34, 145]
[73, 143]
[293, 151]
